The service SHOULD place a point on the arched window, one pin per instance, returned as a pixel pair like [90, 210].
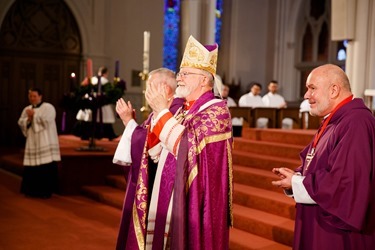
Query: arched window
[40, 46]
[316, 47]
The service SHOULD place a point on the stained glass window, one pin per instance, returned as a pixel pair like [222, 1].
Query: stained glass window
[219, 21]
[341, 50]
[171, 33]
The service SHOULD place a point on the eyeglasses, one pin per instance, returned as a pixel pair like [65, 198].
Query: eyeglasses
[185, 74]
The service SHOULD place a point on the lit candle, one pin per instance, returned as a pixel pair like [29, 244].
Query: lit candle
[89, 69]
[146, 51]
[117, 66]
[72, 81]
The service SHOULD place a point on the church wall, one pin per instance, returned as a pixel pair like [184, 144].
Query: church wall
[113, 30]
[249, 56]
[361, 50]
[258, 41]
[289, 23]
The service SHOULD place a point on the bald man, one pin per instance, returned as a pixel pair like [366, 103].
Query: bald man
[334, 188]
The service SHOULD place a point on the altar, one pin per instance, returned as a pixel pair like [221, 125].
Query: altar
[79, 168]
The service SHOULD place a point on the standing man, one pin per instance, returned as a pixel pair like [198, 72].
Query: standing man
[105, 116]
[151, 174]
[334, 188]
[200, 137]
[42, 151]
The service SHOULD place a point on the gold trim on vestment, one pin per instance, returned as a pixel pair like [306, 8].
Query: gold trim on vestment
[193, 173]
[138, 229]
[211, 139]
[207, 140]
[230, 176]
[141, 191]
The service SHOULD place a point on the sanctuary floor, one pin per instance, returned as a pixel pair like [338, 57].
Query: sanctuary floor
[58, 223]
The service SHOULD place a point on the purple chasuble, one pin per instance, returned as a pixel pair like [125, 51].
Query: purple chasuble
[341, 180]
[201, 214]
[127, 237]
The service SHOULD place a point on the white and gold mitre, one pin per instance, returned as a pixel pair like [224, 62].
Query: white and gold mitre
[200, 57]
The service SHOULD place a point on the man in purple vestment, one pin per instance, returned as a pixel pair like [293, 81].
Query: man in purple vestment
[200, 138]
[334, 188]
[138, 150]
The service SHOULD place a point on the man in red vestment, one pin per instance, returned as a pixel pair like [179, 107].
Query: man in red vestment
[334, 188]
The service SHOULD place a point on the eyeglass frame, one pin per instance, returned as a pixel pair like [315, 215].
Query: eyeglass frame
[185, 74]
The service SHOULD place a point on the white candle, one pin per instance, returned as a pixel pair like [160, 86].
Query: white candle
[146, 51]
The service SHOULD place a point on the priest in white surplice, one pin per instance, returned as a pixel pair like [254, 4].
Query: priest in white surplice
[274, 100]
[42, 151]
[253, 100]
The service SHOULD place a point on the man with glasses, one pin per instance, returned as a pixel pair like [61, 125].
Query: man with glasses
[200, 137]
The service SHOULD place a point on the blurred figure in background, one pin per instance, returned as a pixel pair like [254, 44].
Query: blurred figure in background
[225, 91]
[42, 150]
[274, 100]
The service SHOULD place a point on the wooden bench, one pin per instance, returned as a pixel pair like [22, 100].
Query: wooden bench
[275, 116]
[244, 112]
[310, 122]
[264, 112]
[292, 113]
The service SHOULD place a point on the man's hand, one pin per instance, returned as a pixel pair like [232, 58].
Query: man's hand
[30, 114]
[285, 175]
[157, 97]
[124, 110]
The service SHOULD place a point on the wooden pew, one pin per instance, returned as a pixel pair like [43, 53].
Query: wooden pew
[292, 113]
[310, 122]
[275, 116]
[270, 113]
[244, 112]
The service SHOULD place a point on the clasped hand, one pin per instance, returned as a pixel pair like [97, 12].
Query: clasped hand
[30, 114]
[285, 175]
